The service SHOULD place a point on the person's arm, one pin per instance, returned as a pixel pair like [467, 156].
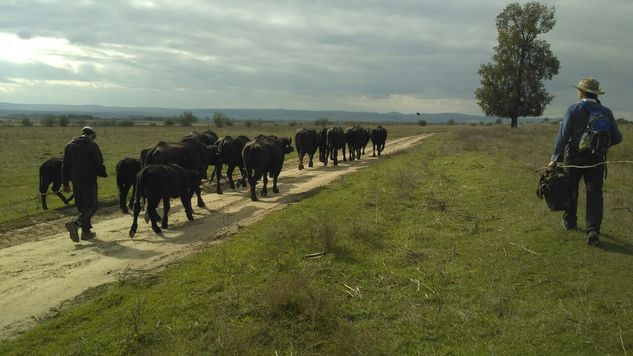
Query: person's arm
[616, 135]
[561, 139]
[66, 169]
[98, 160]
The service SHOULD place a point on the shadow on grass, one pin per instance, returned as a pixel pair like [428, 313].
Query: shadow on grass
[615, 245]
[345, 255]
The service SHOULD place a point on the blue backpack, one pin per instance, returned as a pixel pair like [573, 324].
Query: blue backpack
[596, 136]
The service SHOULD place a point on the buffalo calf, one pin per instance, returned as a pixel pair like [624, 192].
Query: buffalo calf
[51, 172]
[126, 171]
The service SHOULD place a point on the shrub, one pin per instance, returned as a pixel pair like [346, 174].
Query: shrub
[26, 122]
[322, 121]
[422, 122]
[63, 121]
[48, 121]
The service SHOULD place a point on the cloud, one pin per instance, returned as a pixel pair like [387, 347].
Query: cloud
[350, 54]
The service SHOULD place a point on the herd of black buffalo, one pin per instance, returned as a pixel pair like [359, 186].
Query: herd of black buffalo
[176, 169]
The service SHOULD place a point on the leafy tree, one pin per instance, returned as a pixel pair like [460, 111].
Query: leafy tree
[511, 86]
[450, 122]
[422, 122]
[187, 118]
[48, 121]
[221, 120]
[26, 122]
[322, 121]
[63, 121]
[169, 122]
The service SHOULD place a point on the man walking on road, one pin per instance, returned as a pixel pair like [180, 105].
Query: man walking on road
[83, 162]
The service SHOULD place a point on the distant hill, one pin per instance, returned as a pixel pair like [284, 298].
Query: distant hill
[8, 110]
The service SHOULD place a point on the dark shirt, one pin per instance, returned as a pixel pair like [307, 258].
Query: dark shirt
[83, 161]
[574, 121]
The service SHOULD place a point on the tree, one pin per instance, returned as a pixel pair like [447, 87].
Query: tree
[63, 120]
[26, 122]
[512, 85]
[187, 118]
[422, 122]
[48, 121]
[221, 120]
[322, 121]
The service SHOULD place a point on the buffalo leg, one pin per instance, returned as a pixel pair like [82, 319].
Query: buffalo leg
[252, 181]
[123, 190]
[137, 210]
[265, 184]
[43, 198]
[310, 163]
[275, 190]
[166, 207]
[152, 204]
[200, 202]
[229, 176]
[186, 203]
[301, 154]
[343, 150]
[133, 195]
[242, 181]
[218, 173]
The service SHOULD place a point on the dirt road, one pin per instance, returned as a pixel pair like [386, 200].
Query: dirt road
[38, 275]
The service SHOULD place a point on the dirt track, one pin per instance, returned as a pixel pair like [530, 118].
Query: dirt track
[38, 275]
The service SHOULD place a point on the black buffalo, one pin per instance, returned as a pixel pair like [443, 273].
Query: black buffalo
[323, 145]
[126, 171]
[51, 173]
[264, 157]
[307, 142]
[189, 154]
[207, 137]
[335, 142]
[156, 182]
[365, 138]
[230, 153]
[355, 139]
[378, 138]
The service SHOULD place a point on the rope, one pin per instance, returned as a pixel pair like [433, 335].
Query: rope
[574, 166]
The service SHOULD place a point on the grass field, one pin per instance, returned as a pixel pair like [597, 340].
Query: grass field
[25, 148]
[441, 249]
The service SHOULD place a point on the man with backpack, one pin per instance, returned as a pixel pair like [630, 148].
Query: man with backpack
[587, 131]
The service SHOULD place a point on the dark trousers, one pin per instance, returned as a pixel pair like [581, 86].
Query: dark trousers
[593, 178]
[87, 202]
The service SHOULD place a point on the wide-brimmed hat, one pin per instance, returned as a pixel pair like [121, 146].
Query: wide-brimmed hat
[589, 85]
[87, 130]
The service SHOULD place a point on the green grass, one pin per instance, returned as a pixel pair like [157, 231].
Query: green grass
[441, 249]
[25, 148]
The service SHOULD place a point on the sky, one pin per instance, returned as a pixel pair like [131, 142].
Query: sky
[355, 55]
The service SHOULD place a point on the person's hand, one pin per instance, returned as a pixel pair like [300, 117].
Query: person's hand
[552, 166]
[66, 188]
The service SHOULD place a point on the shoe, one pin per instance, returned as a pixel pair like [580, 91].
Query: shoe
[567, 226]
[73, 229]
[88, 235]
[593, 239]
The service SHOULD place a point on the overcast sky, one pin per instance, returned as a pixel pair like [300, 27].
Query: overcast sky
[358, 55]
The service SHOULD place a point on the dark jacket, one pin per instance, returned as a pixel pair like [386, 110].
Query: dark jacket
[574, 121]
[83, 162]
